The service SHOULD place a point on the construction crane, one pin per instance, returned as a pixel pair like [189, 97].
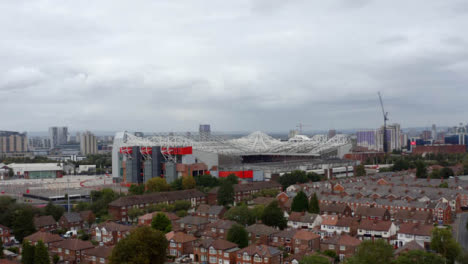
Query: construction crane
[385, 116]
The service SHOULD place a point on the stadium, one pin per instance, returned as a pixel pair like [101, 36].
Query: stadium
[256, 157]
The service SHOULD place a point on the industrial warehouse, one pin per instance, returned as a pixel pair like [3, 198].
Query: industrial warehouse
[255, 157]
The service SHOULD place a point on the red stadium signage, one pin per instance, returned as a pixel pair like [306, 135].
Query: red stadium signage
[413, 143]
[177, 151]
[240, 174]
[126, 150]
[146, 150]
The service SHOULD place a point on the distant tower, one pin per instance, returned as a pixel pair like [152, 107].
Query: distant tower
[434, 132]
[204, 131]
[331, 133]
[58, 136]
[88, 143]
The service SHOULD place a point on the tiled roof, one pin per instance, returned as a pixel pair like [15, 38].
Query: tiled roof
[261, 250]
[412, 245]
[221, 224]
[156, 197]
[218, 244]
[303, 217]
[46, 237]
[73, 217]
[412, 215]
[346, 222]
[263, 200]
[112, 226]
[150, 216]
[303, 234]
[100, 252]
[46, 220]
[375, 225]
[73, 244]
[85, 215]
[211, 210]
[370, 211]
[343, 239]
[334, 207]
[416, 229]
[261, 229]
[193, 220]
[251, 186]
[329, 220]
[286, 233]
[181, 237]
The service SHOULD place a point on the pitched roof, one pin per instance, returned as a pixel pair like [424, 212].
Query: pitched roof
[112, 226]
[286, 233]
[100, 252]
[261, 250]
[73, 244]
[413, 215]
[375, 225]
[181, 237]
[263, 200]
[303, 217]
[333, 207]
[46, 220]
[211, 210]
[412, 245]
[261, 229]
[346, 221]
[85, 215]
[193, 220]
[73, 217]
[343, 239]
[416, 229]
[221, 224]
[149, 216]
[303, 234]
[46, 237]
[156, 197]
[330, 220]
[218, 244]
[370, 211]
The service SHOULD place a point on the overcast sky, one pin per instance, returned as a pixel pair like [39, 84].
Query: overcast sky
[238, 65]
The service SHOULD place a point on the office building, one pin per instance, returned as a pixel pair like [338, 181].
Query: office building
[434, 132]
[366, 139]
[88, 143]
[373, 139]
[58, 136]
[13, 142]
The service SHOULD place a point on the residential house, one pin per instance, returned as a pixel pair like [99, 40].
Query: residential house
[45, 223]
[339, 209]
[254, 254]
[6, 235]
[69, 250]
[71, 221]
[442, 213]
[412, 245]
[88, 218]
[192, 224]
[97, 255]
[304, 220]
[421, 233]
[46, 237]
[372, 213]
[328, 226]
[218, 229]
[305, 241]
[180, 244]
[146, 219]
[110, 233]
[260, 233]
[284, 239]
[244, 191]
[413, 216]
[212, 212]
[118, 209]
[344, 245]
[375, 229]
[214, 251]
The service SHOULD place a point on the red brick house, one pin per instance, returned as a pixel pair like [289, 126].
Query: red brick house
[97, 255]
[413, 216]
[443, 213]
[180, 243]
[146, 219]
[372, 213]
[339, 209]
[284, 239]
[88, 218]
[45, 223]
[110, 233]
[261, 234]
[5, 235]
[70, 249]
[218, 229]
[254, 254]
[71, 221]
[192, 224]
[212, 212]
[244, 191]
[46, 237]
[283, 198]
[344, 245]
[215, 251]
[305, 241]
[118, 209]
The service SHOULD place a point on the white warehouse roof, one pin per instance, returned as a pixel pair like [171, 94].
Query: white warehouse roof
[22, 167]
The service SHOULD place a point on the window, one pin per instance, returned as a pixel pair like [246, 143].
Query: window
[226, 255]
[221, 231]
[342, 248]
[331, 247]
[257, 258]
[173, 252]
[59, 249]
[212, 251]
[102, 260]
[213, 260]
[265, 259]
[67, 251]
[173, 244]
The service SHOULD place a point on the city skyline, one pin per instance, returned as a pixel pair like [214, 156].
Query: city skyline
[241, 65]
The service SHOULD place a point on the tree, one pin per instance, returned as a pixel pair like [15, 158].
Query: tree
[134, 213]
[293, 177]
[144, 245]
[237, 234]
[300, 202]
[360, 170]
[41, 254]
[400, 165]
[27, 255]
[241, 214]
[10, 173]
[419, 257]
[1, 250]
[444, 185]
[136, 189]
[182, 205]
[443, 243]
[256, 212]
[55, 259]
[177, 185]
[157, 184]
[226, 193]
[314, 177]
[314, 204]
[206, 180]
[273, 216]
[446, 173]
[421, 169]
[162, 223]
[314, 259]
[232, 178]
[370, 252]
[435, 174]
[23, 224]
[188, 183]
[55, 211]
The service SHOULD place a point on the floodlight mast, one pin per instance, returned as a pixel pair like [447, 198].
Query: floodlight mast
[385, 116]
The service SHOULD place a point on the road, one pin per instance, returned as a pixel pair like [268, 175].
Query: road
[461, 232]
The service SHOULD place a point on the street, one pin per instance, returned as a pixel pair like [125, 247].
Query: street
[461, 232]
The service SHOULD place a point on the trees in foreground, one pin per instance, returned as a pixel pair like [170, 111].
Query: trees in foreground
[300, 202]
[273, 216]
[144, 245]
[443, 243]
[370, 252]
[162, 223]
[237, 234]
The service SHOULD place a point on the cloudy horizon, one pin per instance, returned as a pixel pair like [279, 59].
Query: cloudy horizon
[237, 65]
